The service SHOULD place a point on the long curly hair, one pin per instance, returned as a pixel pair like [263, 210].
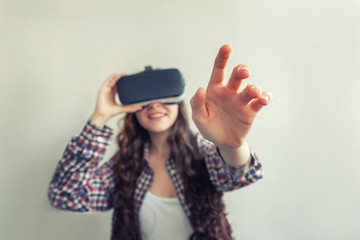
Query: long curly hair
[207, 216]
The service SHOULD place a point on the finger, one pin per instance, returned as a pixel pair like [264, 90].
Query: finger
[114, 80]
[114, 92]
[109, 86]
[107, 89]
[111, 81]
[249, 93]
[197, 103]
[116, 110]
[132, 108]
[262, 101]
[221, 60]
[110, 78]
[239, 73]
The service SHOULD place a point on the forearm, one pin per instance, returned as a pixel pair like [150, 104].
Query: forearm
[229, 169]
[77, 176]
[235, 156]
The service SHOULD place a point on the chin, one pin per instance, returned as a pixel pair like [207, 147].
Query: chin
[159, 130]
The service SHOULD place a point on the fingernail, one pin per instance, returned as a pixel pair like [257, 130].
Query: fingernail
[245, 67]
[257, 89]
[267, 98]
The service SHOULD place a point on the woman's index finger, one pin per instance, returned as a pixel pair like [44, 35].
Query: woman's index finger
[221, 60]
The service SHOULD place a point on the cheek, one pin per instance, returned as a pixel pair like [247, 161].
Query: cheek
[140, 117]
[175, 112]
[174, 109]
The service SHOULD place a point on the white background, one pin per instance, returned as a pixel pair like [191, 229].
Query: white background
[54, 55]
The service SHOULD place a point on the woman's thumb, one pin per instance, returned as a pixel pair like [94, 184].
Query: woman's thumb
[197, 103]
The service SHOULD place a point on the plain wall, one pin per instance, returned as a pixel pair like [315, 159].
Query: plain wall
[54, 56]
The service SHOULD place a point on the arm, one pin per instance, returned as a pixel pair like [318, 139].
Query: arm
[224, 114]
[78, 183]
[226, 177]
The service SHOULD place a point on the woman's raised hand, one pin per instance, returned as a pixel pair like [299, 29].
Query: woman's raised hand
[106, 106]
[223, 113]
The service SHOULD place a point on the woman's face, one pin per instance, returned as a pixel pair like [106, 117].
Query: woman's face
[158, 117]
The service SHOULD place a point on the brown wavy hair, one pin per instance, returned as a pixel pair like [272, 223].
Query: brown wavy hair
[206, 205]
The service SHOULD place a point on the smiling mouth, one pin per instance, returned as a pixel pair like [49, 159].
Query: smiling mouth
[156, 115]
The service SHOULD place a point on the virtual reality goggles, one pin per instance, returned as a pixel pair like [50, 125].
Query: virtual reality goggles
[165, 86]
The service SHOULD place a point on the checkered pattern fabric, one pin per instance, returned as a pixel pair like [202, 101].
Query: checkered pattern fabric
[80, 184]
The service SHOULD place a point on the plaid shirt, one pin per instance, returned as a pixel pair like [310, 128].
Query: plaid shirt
[80, 184]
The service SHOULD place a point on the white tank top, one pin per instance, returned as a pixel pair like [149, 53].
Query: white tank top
[163, 218]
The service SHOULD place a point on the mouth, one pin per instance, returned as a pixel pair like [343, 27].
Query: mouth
[156, 115]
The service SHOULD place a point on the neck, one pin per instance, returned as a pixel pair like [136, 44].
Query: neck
[159, 144]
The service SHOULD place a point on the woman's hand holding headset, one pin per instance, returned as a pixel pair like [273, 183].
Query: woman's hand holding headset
[106, 106]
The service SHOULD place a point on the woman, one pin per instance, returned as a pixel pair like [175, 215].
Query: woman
[164, 181]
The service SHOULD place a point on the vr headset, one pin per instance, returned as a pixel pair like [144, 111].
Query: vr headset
[165, 86]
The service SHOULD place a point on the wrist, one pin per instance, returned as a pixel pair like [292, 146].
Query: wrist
[235, 156]
[99, 120]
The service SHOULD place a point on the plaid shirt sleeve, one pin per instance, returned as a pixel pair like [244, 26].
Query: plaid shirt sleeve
[224, 176]
[78, 183]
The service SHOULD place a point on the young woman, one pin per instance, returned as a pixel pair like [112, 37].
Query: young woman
[165, 182]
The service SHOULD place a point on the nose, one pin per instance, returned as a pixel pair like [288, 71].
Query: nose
[153, 105]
